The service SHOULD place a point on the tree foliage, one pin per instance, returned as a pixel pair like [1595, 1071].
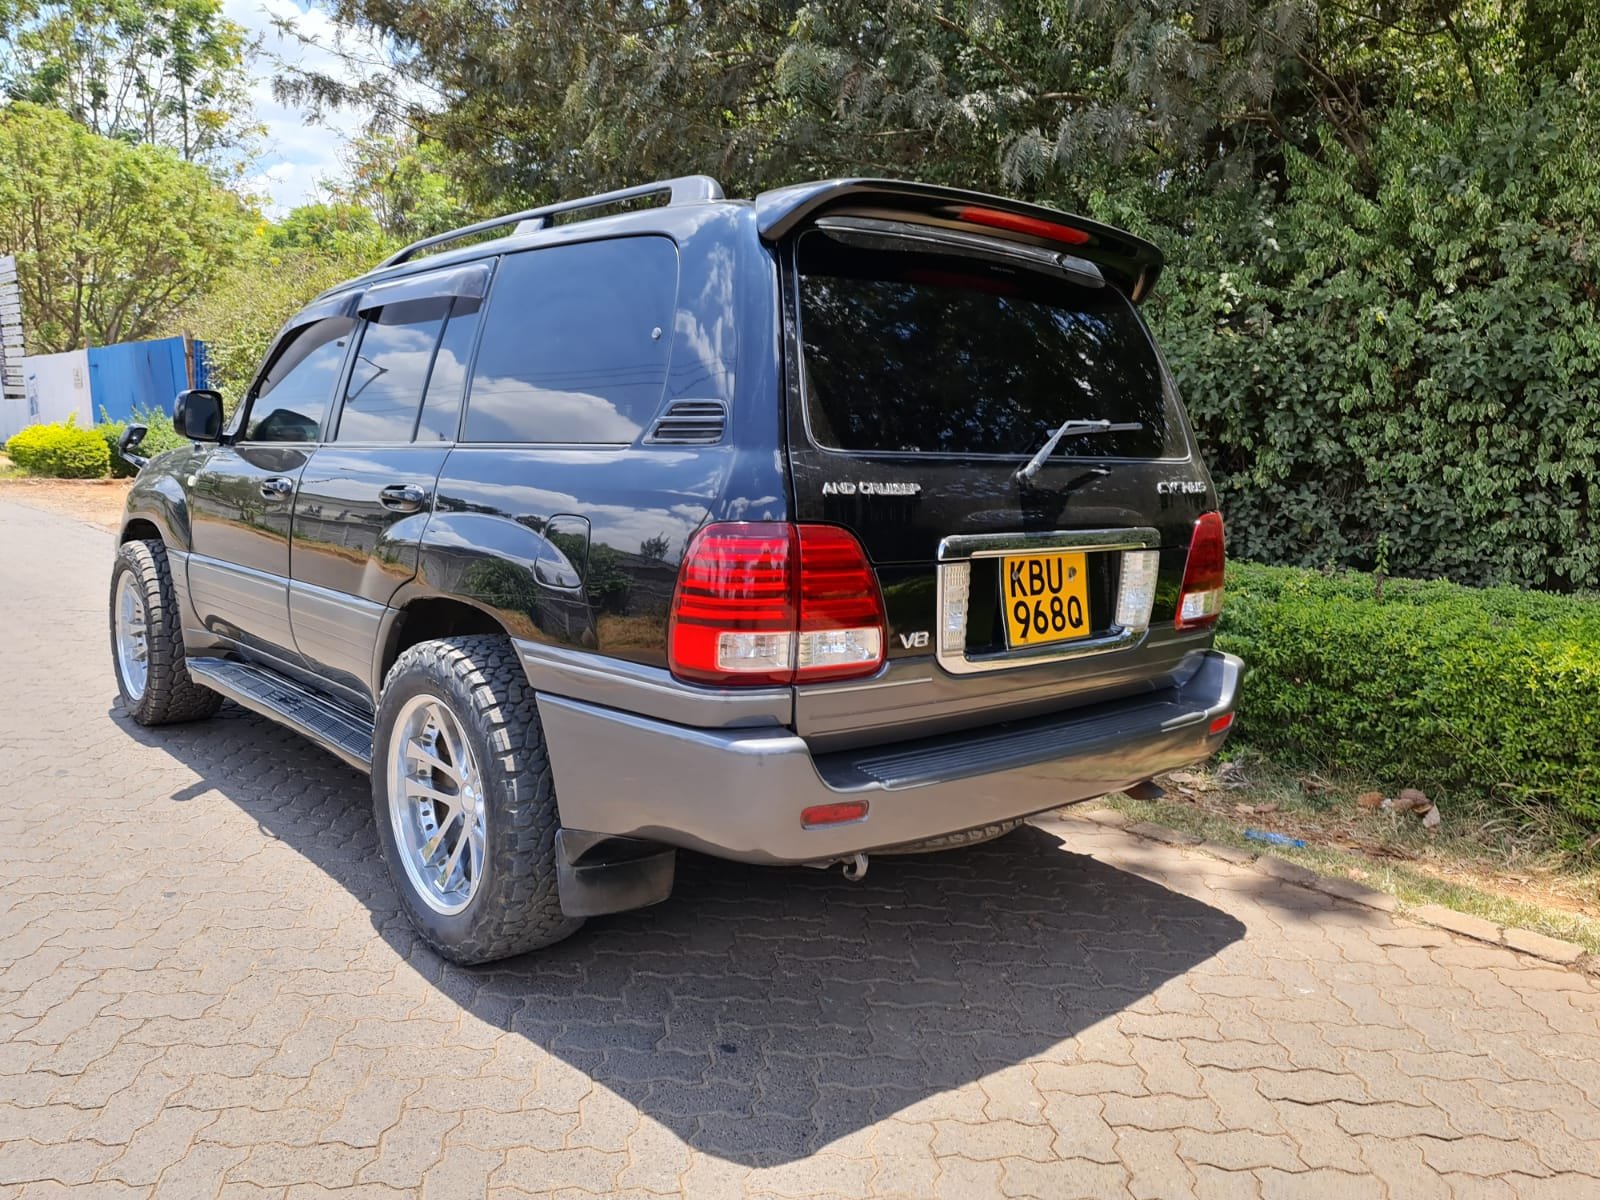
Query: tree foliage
[1409, 371]
[167, 72]
[111, 239]
[404, 183]
[282, 266]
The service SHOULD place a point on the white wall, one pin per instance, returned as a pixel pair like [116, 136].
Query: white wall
[57, 385]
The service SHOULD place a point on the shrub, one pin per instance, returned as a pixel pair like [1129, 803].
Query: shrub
[159, 436]
[61, 450]
[1432, 685]
[1407, 354]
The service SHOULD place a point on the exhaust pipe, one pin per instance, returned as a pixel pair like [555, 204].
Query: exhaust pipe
[855, 869]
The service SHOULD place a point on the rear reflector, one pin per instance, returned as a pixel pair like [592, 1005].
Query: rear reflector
[771, 603]
[1222, 724]
[1200, 599]
[1017, 223]
[833, 814]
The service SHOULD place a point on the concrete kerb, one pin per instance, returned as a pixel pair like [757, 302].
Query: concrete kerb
[1523, 941]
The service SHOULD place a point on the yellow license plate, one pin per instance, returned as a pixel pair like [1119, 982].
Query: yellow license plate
[1045, 597]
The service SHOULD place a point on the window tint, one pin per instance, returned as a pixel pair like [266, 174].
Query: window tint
[923, 352]
[292, 397]
[390, 369]
[575, 343]
[441, 408]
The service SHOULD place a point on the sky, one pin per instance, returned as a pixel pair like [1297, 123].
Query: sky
[297, 153]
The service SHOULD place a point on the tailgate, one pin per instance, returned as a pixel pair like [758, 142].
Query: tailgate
[930, 368]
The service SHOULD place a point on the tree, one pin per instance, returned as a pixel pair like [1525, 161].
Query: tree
[168, 72]
[111, 239]
[405, 183]
[276, 272]
[335, 230]
[538, 98]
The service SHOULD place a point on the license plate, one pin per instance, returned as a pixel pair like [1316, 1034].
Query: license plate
[1046, 597]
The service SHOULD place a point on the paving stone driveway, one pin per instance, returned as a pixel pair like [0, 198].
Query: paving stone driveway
[206, 988]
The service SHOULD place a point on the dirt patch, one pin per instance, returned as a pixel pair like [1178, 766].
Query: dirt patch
[96, 502]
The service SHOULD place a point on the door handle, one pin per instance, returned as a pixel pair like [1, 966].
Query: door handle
[276, 488]
[403, 497]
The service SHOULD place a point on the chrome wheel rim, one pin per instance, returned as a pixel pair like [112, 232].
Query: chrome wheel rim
[132, 638]
[436, 805]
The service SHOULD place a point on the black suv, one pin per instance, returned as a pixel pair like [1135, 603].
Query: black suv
[860, 517]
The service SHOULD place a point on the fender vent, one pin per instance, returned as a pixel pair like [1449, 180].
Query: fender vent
[691, 423]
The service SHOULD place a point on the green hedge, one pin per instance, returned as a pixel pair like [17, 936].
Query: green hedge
[61, 450]
[1451, 689]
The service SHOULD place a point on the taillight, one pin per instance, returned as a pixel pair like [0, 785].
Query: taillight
[765, 603]
[841, 609]
[1017, 223]
[1200, 599]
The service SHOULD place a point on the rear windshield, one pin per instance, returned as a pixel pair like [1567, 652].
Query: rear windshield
[919, 352]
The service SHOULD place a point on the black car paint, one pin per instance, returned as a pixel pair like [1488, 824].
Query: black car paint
[641, 502]
[580, 546]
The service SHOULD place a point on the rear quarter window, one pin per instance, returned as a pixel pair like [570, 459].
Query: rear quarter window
[918, 352]
[575, 345]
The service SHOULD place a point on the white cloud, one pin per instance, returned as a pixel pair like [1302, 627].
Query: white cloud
[298, 155]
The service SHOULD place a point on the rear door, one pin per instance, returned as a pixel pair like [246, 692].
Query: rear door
[367, 492]
[931, 370]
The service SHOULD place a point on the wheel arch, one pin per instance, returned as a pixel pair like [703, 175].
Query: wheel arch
[157, 509]
[423, 618]
[140, 529]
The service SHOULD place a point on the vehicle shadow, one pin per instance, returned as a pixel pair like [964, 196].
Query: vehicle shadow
[762, 1013]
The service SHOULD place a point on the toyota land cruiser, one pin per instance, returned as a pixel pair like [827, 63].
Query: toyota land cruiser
[862, 516]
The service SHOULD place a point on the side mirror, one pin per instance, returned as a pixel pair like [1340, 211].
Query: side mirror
[129, 442]
[197, 415]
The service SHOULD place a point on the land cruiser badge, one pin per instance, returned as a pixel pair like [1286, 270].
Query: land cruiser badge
[869, 487]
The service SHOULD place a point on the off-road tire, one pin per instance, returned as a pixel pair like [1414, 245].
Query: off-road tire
[516, 907]
[170, 693]
[955, 841]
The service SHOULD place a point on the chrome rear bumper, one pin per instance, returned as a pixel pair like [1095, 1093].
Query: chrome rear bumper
[738, 793]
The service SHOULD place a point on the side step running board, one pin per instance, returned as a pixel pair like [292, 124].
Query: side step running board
[332, 726]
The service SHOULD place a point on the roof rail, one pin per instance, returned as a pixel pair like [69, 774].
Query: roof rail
[687, 189]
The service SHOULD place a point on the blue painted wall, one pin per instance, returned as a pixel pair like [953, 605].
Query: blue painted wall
[140, 375]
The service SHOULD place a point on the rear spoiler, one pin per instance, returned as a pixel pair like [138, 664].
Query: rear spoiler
[1130, 262]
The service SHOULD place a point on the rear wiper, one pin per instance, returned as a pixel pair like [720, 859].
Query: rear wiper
[1071, 428]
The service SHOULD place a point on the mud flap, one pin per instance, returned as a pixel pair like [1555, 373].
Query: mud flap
[598, 874]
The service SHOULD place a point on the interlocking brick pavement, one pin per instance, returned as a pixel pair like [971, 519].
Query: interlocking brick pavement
[206, 989]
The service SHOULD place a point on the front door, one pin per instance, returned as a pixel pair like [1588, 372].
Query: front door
[367, 493]
[241, 498]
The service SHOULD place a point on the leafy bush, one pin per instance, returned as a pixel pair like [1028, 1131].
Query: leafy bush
[61, 450]
[159, 436]
[1451, 689]
[1407, 350]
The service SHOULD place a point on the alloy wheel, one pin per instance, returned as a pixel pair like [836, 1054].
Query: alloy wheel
[436, 805]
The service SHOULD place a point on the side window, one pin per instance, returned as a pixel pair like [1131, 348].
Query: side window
[441, 407]
[391, 366]
[575, 343]
[291, 399]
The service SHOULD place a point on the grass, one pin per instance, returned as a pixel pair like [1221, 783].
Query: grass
[1512, 868]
